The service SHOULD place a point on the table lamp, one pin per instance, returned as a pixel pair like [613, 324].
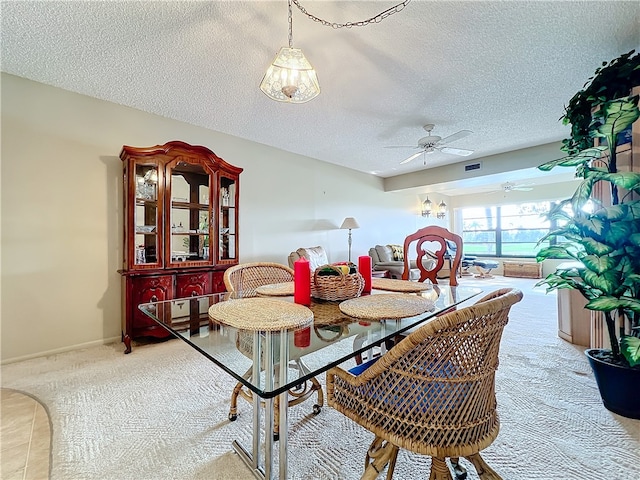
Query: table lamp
[349, 223]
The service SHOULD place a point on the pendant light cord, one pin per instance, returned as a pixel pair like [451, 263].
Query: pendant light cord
[376, 19]
[290, 27]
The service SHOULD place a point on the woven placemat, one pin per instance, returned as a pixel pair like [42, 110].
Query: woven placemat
[393, 285]
[257, 313]
[284, 289]
[388, 306]
[328, 314]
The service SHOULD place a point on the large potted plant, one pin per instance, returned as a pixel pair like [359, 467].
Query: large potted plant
[603, 237]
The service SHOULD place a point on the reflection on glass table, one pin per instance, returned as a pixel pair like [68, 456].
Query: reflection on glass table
[326, 342]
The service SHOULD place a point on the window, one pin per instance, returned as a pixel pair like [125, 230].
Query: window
[506, 230]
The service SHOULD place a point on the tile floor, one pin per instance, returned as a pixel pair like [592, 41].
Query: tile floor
[25, 438]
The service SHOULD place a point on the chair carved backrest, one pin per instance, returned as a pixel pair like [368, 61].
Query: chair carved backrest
[243, 279]
[434, 392]
[430, 235]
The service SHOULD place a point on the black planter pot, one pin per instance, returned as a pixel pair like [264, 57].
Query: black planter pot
[618, 386]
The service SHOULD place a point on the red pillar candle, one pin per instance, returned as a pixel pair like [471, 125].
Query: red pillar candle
[364, 267]
[302, 338]
[302, 282]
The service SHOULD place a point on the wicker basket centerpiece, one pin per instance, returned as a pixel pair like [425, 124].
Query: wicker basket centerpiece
[331, 282]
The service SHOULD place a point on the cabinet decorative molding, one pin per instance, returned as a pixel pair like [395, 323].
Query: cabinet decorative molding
[180, 228]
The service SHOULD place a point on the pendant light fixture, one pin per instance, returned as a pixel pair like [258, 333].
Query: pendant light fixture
[290, 77]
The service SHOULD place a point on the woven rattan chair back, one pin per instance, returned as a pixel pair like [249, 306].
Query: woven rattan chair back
[243, 279]
[434, 392]
[430, 235]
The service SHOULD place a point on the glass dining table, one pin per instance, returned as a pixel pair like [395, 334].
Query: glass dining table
[271, 362]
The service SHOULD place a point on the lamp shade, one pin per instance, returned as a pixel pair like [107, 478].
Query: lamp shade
[290, 78]
[349, 223]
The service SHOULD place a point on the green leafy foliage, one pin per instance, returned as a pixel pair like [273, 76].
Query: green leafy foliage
[612, 80]
[603, 238]
[630, 347]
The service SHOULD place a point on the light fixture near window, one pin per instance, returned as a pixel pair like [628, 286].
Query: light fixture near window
[427, 208]
[442, 210]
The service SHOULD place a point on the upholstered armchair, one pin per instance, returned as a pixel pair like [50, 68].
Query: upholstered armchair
[317, 256]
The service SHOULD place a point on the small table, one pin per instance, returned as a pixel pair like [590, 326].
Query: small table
[330, 343]
[380, 273]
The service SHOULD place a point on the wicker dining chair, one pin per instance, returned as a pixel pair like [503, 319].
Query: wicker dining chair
[433, 393]
[241, 281]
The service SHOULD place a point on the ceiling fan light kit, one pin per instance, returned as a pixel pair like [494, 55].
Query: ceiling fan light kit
[290, 78]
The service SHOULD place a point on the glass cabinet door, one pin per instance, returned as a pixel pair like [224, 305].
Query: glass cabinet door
[189, 214]
[146, 214]
[228, 219]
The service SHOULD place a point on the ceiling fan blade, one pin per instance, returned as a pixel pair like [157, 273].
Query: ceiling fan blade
[456, 151]
[455, 136]
[523, 189]
[402, 146]
[411, 157]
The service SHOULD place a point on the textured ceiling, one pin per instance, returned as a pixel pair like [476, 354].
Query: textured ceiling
[502, 69]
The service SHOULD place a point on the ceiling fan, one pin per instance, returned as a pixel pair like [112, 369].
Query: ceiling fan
[522, 187]
[433, 143]
[512, 186]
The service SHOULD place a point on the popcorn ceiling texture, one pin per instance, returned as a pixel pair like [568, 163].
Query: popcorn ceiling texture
[504, 70]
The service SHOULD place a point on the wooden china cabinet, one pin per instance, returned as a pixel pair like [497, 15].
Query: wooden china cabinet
[180, 228]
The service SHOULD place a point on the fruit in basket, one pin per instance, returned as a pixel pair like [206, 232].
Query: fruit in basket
[346, 267]
[328, 271]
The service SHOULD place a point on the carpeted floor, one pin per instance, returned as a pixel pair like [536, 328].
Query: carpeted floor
[161, 413]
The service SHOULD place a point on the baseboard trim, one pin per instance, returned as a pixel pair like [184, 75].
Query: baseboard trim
[70, 348]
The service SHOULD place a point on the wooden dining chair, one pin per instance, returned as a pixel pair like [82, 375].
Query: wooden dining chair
[433, 393]
[427, 237]
[241, 281]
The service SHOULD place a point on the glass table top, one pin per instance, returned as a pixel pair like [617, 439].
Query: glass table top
[329, 341]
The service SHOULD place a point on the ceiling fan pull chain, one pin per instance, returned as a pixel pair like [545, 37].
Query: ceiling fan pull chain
[377, 19]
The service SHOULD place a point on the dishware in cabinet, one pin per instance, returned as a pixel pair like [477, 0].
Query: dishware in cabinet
[228, 214]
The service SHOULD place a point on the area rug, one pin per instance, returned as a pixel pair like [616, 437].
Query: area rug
[161, 413]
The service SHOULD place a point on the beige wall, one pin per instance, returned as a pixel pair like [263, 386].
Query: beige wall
[61, 221]
[61, 210]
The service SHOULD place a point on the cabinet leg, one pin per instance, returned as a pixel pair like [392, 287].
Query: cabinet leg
[127, 343]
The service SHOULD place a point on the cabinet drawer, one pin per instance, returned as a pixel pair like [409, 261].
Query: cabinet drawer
[193, 284]
[149, 289]
[522, 269]
[218, 283]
